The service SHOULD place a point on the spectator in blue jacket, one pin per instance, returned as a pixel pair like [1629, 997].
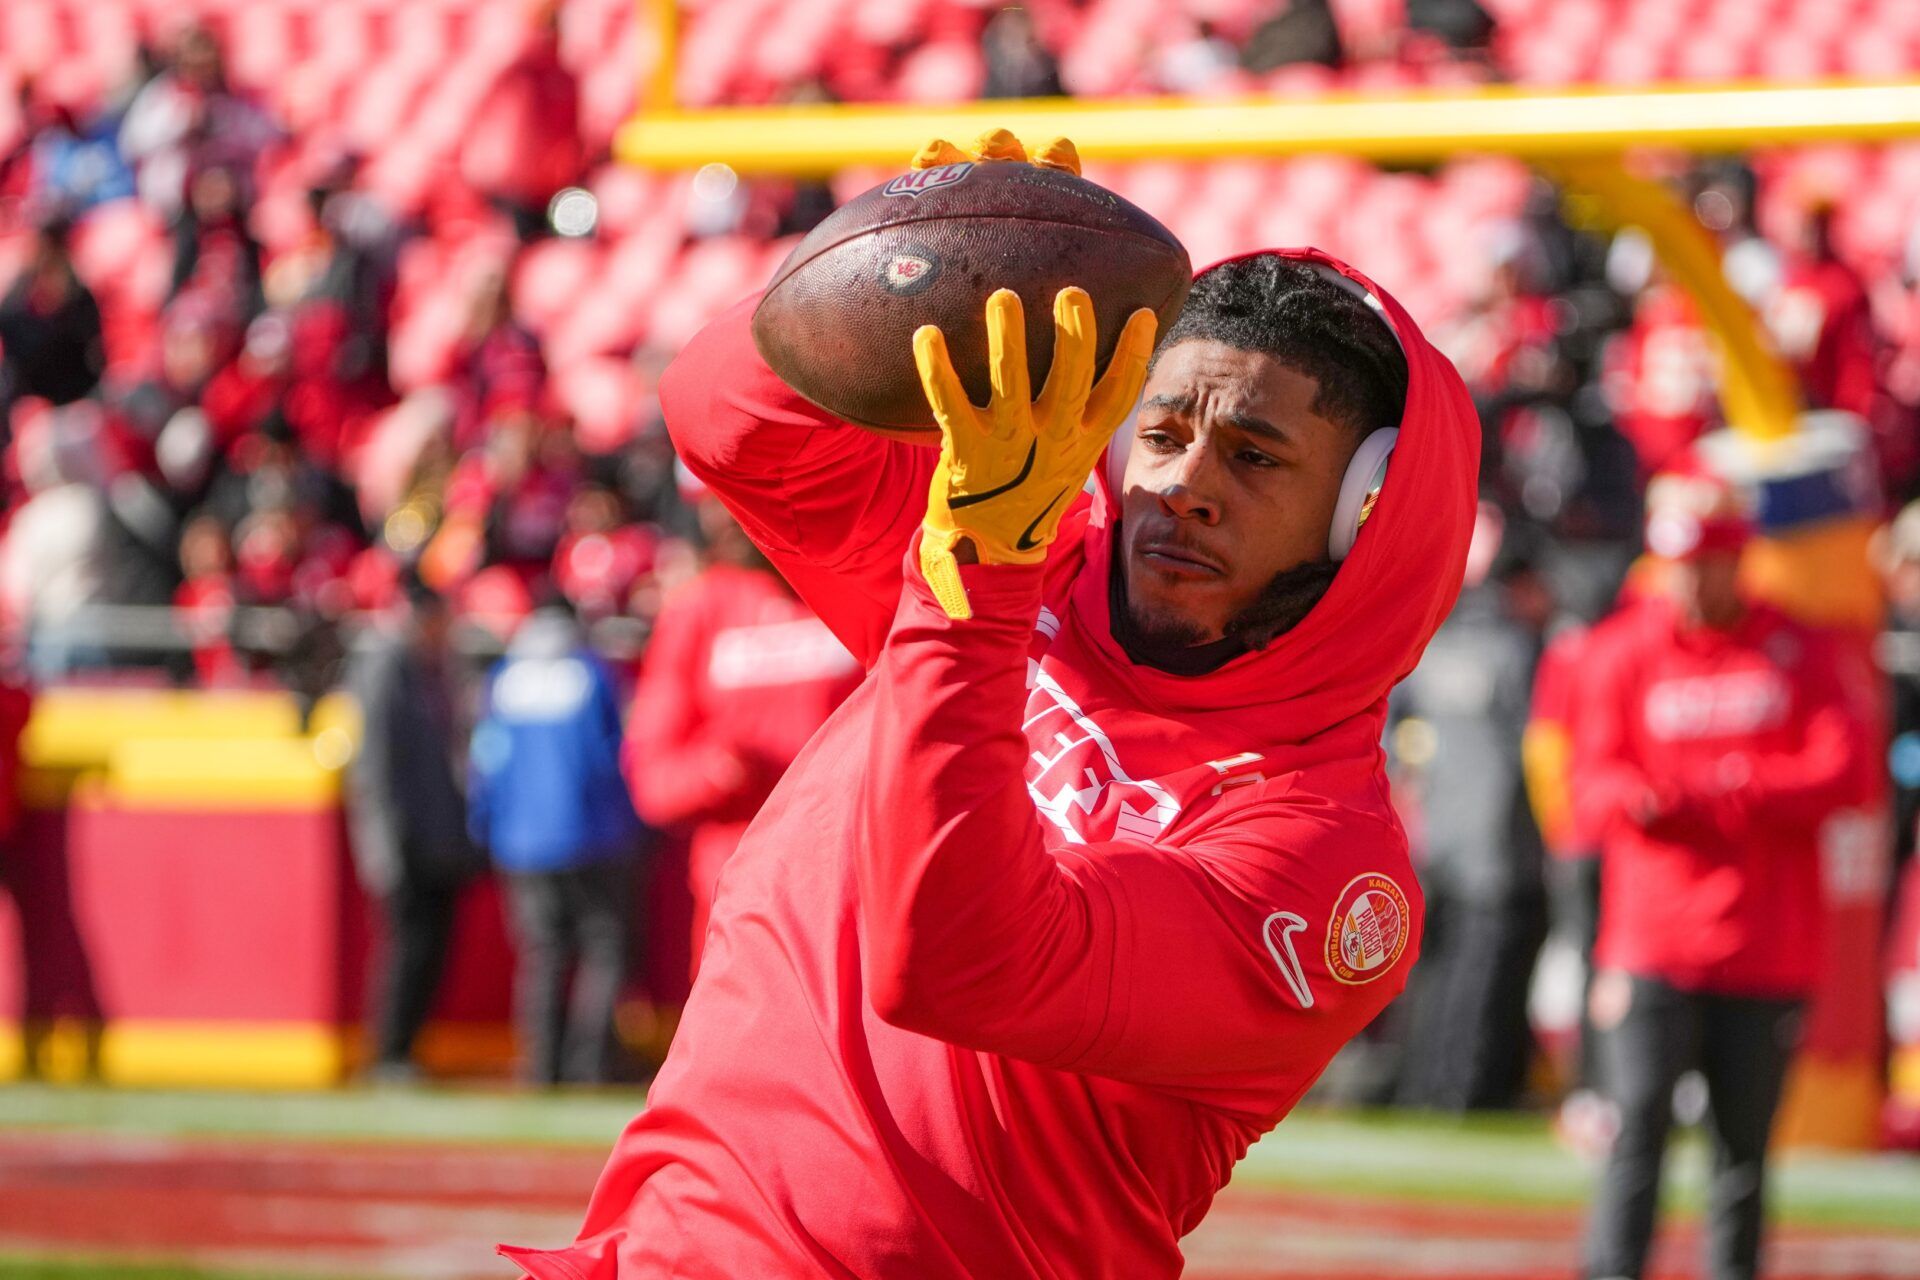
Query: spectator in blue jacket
[546, 798]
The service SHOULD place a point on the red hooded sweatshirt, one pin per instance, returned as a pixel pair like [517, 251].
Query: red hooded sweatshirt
[1753, 735]
[1032, 942]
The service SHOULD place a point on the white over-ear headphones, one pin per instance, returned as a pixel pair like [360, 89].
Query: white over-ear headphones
[1359, 490]
[1360, 487]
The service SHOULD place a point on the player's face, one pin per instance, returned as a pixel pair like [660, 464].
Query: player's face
[1231, 481]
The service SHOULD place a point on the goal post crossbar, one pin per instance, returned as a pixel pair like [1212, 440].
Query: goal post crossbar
[1579, 136]
[1529, 124]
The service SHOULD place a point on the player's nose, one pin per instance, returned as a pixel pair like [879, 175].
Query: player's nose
[1185, 489]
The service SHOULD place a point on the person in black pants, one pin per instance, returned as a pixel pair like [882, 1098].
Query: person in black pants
[546, 798]
[1657, 1032]
[582, 914]
[407, 817]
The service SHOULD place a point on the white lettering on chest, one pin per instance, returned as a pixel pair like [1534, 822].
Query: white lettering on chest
[1717, 706]
[776, 653]
[1074, 773]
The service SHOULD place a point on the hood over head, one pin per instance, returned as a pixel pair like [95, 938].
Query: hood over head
[1391, 593]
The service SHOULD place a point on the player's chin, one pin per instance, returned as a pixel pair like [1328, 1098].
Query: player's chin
[1178, 607]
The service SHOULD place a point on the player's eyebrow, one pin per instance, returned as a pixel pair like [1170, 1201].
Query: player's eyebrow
[1238, 419]
[1255, 426]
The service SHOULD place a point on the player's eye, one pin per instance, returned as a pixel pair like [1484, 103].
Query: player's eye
[1255, 458]
[1157, 440]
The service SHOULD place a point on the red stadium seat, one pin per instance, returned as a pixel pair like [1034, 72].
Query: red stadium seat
[945, 72]
[259, 45]
[111, 240]
[888, 22]
[421, 33]
[29, 38]
[604, 396]
[626, 197]
[552, 276]
[604, 323]
[607, 99]
[380, 104]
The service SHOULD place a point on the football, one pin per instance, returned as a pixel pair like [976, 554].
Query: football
[928, 247]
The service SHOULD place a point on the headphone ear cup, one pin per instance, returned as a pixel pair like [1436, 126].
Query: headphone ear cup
[1365, 474]
[1114, 463]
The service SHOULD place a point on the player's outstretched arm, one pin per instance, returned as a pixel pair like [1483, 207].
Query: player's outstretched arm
[831, 505]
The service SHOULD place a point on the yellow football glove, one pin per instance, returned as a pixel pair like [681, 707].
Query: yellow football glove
[1008, 472]
[998, 144]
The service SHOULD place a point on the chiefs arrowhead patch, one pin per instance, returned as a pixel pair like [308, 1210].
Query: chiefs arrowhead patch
[1369, 929]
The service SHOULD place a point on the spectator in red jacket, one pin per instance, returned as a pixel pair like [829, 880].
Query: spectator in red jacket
[206, 599]
[738, 676]
[1821, 319]
[497, 369]
[524, 145]
[1660, 378]
[16, 708]
[1713, 738]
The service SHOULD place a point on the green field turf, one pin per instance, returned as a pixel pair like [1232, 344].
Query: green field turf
[1504, 1160]
[39, 1268]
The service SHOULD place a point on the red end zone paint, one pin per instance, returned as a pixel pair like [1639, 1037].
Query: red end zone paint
[434, 1210]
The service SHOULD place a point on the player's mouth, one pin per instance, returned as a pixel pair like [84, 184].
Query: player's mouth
[1177, 560]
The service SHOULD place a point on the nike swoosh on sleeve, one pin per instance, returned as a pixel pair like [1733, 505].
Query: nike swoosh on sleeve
[1280, 947]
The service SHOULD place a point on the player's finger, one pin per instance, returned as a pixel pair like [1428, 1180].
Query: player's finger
[1126, 373]
[1012, 401]
[998, 144]
[1070, 380]
[1058, 153]
[941, 384]
[936, 153]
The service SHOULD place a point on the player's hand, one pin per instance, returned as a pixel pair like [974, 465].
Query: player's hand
[998, 144]
[1008, 472]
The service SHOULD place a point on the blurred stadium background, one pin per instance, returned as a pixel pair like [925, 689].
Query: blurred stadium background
[309, 306]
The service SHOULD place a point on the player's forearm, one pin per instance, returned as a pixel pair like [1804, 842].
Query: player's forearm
[962, 902]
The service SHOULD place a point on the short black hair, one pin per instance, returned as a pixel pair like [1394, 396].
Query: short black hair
[1286, 309]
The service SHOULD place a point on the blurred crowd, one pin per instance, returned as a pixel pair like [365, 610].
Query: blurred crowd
[247, 450]
[246, 460]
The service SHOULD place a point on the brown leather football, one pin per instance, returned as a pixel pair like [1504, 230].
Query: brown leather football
[929, 247]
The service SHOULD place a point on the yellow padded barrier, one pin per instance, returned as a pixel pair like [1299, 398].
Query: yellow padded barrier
[79, 728]
[152, 1053]
[220, 773]
[185, 749]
